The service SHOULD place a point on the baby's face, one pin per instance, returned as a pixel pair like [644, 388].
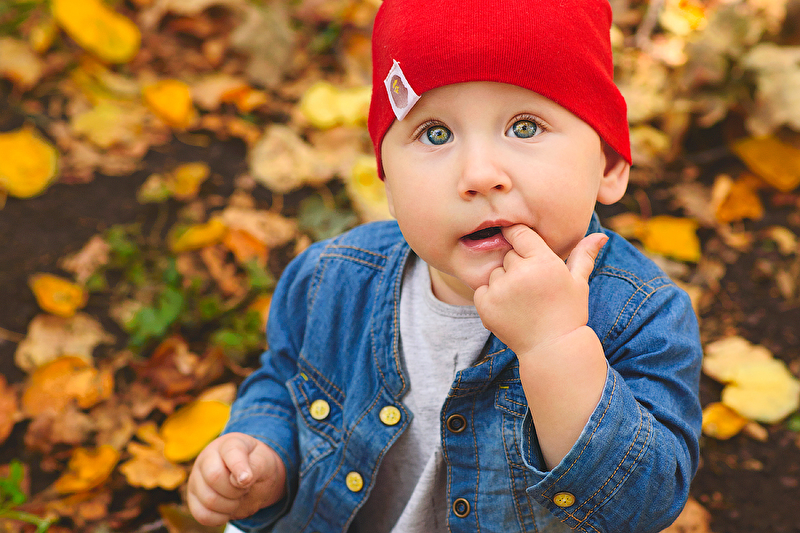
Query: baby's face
[472, 157]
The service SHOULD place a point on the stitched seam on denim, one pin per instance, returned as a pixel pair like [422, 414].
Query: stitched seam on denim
[273, 444]
[356, 248]
[317, 375]
[353, 259]
[642, 419]
[631, 277]
[477, 463]
[313, 461]
[446, 457]
[512, 477]
[259, 410]
[647, 296]
[589, 440]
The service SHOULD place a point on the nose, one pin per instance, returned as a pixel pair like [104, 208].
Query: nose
[482, 173]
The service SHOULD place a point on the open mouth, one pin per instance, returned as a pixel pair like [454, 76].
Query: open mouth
[483, 233]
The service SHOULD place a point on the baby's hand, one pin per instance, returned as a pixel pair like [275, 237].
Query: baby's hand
[233, 477]
[535, 297]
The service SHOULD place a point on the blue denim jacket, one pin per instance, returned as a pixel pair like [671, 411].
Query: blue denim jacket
[333, 336]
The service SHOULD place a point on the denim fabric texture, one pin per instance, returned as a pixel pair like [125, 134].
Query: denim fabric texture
[333, 335]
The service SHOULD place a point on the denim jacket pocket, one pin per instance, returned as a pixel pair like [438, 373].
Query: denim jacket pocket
[320, 418]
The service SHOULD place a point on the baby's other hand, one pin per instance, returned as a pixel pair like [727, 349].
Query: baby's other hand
[535, 297]
[233, 477]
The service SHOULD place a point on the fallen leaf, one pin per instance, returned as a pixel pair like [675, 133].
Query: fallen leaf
[693, 519]
[90, 258]
[182, 183]
[784, 238]
[225, 393]
[271, 229]
[174, 369]
[194, 237]
[245, 247]
[114, 422]
[171, 100]
[178, 519]
[110, 123]
[224, 273]
[771, 159]
[98, 29]
[671, 237]
[50, 337]
[29, 163]
[261, 305]
[149, 468]
[758, 386]
[265, 36]
[189, 429]
[367, 191]
[9, 409]
[682, 17]
[282, 161]
[87, 469]
[69, 425]
[325, 105]
[777, 73]
[737, 200]
[211, 91]
[83, 507]
[66, 379]
[722, 422]
[57, 295]
[19, 63]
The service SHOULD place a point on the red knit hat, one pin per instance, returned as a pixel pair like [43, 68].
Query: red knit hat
[559, 49]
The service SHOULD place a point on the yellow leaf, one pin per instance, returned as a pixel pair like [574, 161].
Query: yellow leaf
[98, 29]
[722, 422]
[87, 469]
[57, 295]
[171, 100]
[187, 178]
[671, 237]
[197, 236]
[774, 161]
[367, 191]
[758, 386]
[187, 431]
[326, 106]
[108, 123]
[149, 468]
[28, 165]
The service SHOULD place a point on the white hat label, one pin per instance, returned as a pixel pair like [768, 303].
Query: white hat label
[401, 95]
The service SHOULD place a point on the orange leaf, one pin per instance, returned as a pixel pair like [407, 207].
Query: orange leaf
[774, 161]
[66, 379]
[9, 409]
[671, 237]
[149, 468]
[722, 422]
[87, 469]
[741, 201]
[188, 430]
[245, 247]
[29, 163]
[171, 100]
[57, 295]
[197, 236]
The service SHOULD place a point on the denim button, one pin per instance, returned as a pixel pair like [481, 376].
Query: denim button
[456, 423]
[460, 507]
[389, 415]
[354, 481]
[319, 409]
[564, 499]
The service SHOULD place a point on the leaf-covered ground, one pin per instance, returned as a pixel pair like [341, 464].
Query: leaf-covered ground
[159, 171]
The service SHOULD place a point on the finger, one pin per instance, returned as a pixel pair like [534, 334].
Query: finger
[524, 240]
[510, 259]
[581, 260]
[203, 514]
[235, 453]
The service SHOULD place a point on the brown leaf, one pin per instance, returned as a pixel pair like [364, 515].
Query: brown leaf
[9, 409]
[55, 385]
[88, 260]
[68, 426]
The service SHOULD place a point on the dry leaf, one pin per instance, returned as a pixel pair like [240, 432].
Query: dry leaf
[771, 159]
[271, 229]
[84, 263]
[57, 295]
[174, 369]
[50, 337]
[110, 123]
[282, 161]
[211, 91]
[29, 163]
[245, 247]
[367, 191]
[266, 37]
[738, 199]
[671, 237]
[188, 430]
[182, 183]
[19, 63]
[722, 422]
[777, 70]
[784, 238]
[225, 393]
[9, 409]
[99, 30]
[171, 101]
[197, 236]
[149, 468]
[69, 426]
[87, 469]
[66, 379]
[758, 386]
[693, 519]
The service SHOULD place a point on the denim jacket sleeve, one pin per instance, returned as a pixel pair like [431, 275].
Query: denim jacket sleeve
[631, 468]
[264, 407]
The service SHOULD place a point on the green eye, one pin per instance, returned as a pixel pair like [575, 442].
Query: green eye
[438, 135]
[524, 129]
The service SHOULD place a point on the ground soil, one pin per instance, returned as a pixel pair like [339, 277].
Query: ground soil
[747, 485]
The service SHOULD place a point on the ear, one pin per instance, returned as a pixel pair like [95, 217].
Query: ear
[615, 177]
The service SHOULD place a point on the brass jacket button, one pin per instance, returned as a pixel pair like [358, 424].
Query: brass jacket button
[456, 423]
[461, 507]
[354, 481]
[564, 499]
[319, 409]
[389, 415]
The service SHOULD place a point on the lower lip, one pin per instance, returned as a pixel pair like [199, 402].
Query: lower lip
[495, 242]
